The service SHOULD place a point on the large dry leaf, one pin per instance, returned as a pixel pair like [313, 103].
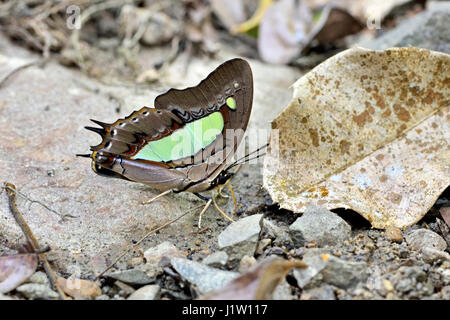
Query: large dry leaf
[14, 270]
[257, 283]
[366, 130]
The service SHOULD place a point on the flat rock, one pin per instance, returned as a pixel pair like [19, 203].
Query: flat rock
[216, 259]
[279, 234]
[204, 278]
[149, 292]
[326, 268]
[165, 249]
[79, 288]
[36, 291]
[324, 292]
[241, 237]
[429, 29]
[424, 238]
[320, 225]
[132, 276]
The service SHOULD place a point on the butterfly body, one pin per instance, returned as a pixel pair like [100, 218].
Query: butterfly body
[185, 142]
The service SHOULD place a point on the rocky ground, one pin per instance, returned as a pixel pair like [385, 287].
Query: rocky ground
[43, 109]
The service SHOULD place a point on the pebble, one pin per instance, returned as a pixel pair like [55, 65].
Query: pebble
[132, 276]
[246, 263]
[394, 234]
[279, 234]
[124, 288]
[262, 245]
[241, 237]
[216, 259]
[424, 238]
[321, 226]
[37, 291]
[324, 292]
[323, 267]
[431, 255]
[204, 278]
[154, 255]
[39, 277]
[283, 291]
[148, 292]
[79, 288]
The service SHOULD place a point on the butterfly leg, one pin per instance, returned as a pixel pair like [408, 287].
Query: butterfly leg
[202, 212]
[158, 196]
[233, 196]
[219, 192]
[220, 210]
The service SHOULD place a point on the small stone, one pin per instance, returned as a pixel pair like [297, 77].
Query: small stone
[216, 259]
[323, 267]
[102, 297]
[279, 234]
[262, 245]
[324, 292]
[241, 237]
[79, 288]
[283, 291]
[126, 289]
[39, 277]
[246, 263]
[394, 234]
[431, 255]
[136, 261]
[320, 225]
[205, 279]
[132, 276]
[36, 291]
[148, 292]
[424, 238]
[165, 249]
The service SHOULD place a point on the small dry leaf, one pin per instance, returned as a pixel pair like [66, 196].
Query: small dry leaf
[366, 130]
[445, 214]
[79, 289]
[259, 282]
[14, 270]
[283, 31]
[334, 24]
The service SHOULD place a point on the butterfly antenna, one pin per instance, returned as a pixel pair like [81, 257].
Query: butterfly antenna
[239, 163]
[86, 155]
[235, 163]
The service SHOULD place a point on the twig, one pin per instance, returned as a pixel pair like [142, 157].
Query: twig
[143, 238]
[8, 187]
[11, 192]
[10, 74]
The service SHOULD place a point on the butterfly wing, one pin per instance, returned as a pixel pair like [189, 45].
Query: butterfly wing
[162, 146]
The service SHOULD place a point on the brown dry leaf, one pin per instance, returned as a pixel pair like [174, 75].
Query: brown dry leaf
[445, 214]
[259, 282]
[79, 289]
[366, 130]
[283, 31]
[14, 270]
[335, 23]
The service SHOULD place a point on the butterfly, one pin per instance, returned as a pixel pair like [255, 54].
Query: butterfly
[184, 143]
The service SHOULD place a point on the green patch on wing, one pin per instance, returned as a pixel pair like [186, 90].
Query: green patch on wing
[184, 142]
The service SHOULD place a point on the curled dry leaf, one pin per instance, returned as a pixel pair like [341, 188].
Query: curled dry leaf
[259, 282]
[366, 130]
[283, 31]
[79, 288]
[445, 214]
[14, 270]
